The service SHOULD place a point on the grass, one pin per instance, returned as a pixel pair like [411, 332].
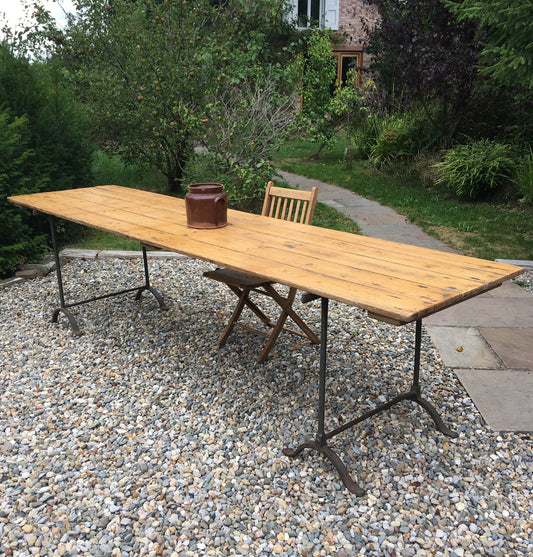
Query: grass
[485, 230]
[112, 170]
[100, 240]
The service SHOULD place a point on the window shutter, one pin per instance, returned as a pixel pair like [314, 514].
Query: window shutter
[331, 13]
[294, 10]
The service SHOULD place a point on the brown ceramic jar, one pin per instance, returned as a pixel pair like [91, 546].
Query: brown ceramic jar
[206, 206]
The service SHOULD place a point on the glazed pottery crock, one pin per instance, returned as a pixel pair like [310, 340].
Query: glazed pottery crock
[206, 206]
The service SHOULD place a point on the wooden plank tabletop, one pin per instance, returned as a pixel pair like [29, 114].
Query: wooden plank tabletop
[392, 281]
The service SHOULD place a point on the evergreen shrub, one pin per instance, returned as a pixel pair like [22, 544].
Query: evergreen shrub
[18, 242]
[44, 145]
[524, 179]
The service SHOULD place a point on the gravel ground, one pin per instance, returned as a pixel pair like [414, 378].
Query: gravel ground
[141, 438]
[525, 280]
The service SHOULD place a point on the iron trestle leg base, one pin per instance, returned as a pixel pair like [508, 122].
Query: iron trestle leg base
[147, 286]
[320, 442]
[63, 306]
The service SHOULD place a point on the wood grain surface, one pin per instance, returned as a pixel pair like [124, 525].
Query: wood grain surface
[394, 282]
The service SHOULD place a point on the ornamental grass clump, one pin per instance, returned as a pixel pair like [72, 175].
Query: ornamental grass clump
[474, 170]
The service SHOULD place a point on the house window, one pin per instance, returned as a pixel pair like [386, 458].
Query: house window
[316, 13]
[347, 61]
[308, 13]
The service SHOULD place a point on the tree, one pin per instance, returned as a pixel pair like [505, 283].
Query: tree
[143, 69]
[319, 71]
[18, 242]
[245, 124]
[57, 132]
[43, 145]
[507, 26]
[423, 53]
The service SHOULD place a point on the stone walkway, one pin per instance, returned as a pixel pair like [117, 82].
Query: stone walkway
[487, 341]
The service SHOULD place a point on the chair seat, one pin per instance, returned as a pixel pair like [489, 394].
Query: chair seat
[280, 203]
[236, 278]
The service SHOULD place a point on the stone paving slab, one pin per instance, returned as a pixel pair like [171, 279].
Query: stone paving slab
[415, 240]
[464, 348]
[357, 201]
[503, 397]
[375, 218]
[486, 312]
[508, 290]
[118, 254]
[514, 345]
[4, 283]
[80, 253]
[363, 210]
[520, 262]
[397, 231]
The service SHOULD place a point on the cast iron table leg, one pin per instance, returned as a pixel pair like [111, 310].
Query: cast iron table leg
[63, 306]
[414, 394]
[320, 443]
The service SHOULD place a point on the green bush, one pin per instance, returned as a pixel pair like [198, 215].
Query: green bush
[477, 169]
[524, 179]
[45, 145]
[393, 142]
[405, 136]
[365, 136]
[18, 242]
[244, 183]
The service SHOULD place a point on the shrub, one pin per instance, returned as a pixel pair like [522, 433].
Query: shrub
[405, 136]
[18, 242]
[476, 169]
[393, 142]
[365, 136]
[243, 128]
[524, 179]
[44, 145]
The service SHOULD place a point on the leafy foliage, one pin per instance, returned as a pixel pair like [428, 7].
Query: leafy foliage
[403, 136]
[43, 145]
[524, 178]
[423, 53]
[245, 124]
[507, 47]
[319, 74]
[57, 133]
[147, 70]
[475, 169]
[17, 240]
[319, 71]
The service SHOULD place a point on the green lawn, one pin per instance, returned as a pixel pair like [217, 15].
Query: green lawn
[489, 231]
[486, 230]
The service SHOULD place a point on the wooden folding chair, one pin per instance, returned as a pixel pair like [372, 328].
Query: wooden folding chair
[279, 203]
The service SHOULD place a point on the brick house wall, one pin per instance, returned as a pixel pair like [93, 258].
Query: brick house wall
[350, 16]
[348, 19]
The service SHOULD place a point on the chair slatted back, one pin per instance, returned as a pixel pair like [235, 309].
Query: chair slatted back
[287, 204]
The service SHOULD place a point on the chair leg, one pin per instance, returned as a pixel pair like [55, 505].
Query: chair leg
[286, 311]
[264, 318]
[243, 297]
[277, 329]
[286, 305]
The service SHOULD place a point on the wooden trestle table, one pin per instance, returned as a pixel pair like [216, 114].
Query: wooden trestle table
[393, 282]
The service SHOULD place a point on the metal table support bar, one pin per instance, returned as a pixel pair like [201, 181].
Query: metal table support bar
[63, 306]
[320, 442]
